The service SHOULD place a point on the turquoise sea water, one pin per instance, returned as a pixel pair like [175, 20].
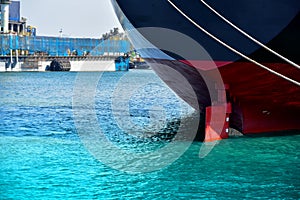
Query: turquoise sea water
[43, 157]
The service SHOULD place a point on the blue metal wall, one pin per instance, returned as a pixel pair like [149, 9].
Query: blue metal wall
[14, 11]
[56, 46]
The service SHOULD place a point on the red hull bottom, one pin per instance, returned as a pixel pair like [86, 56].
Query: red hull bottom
[261, 101]
[267, 102]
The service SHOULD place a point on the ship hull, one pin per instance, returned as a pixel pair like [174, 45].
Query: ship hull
[261, 101]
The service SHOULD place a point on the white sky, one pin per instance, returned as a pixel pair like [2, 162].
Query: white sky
[77, 18]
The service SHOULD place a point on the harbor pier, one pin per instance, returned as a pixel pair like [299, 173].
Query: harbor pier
[61, 63]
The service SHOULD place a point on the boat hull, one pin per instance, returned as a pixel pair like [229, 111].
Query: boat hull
[261, 101]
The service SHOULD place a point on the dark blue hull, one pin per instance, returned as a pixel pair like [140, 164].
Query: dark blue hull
[270, 21]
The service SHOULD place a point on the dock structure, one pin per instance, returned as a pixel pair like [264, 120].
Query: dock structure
[59, 46]
[21, 49]
[68, 63]
[19, 53]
